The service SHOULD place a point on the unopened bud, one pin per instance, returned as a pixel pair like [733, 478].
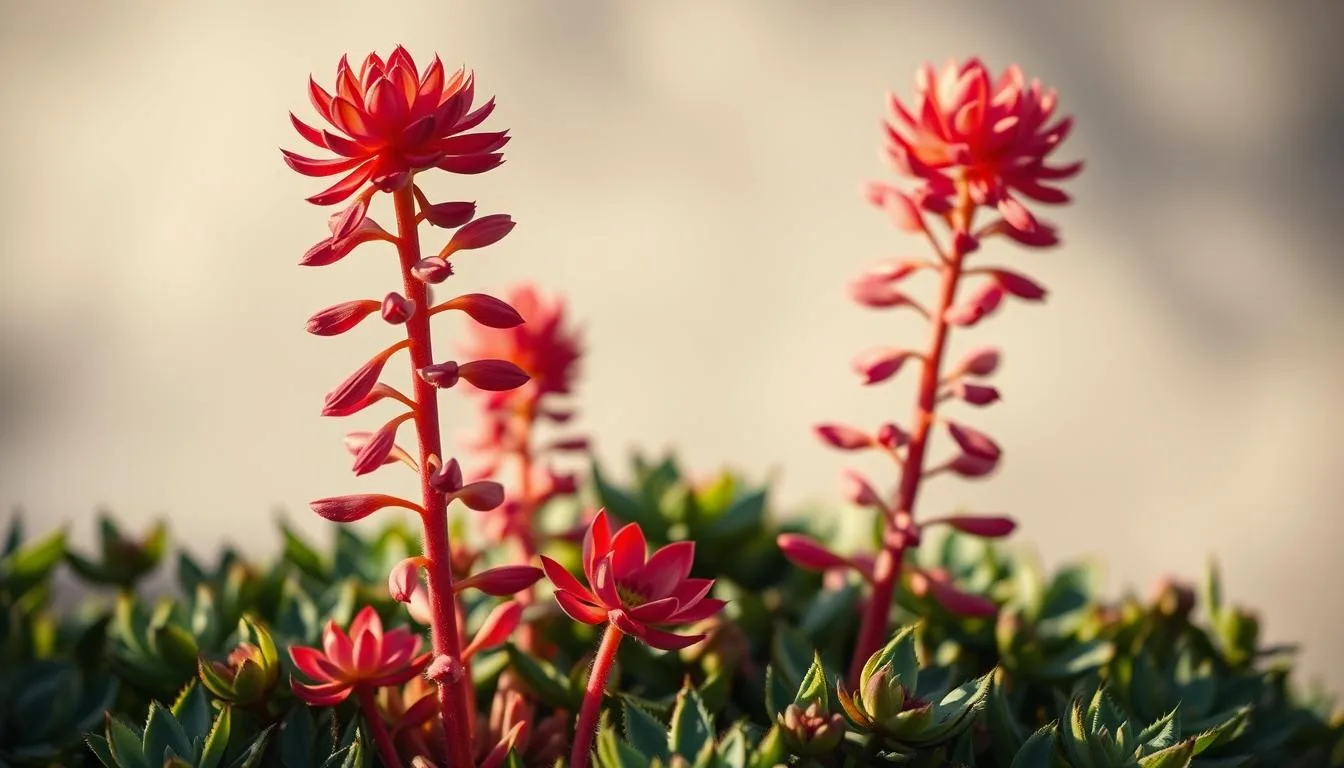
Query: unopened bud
[442, 375]
[843, 437]
[339, 318]
[403, 578]
[493, 375]
[1019, 285]
[482, 495]
[502, 580]
[809, 553]
[859, 491]
[449, 215]
[447, 478]
[982, 361]
[487, 230]
[892, 436]
[496, 628]
[397, 309]
[432, 270]
[878, 365]
[486, 310]
[973, 441]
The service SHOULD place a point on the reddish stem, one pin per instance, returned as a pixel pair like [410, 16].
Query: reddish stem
[523, 534]
[586, 727]
[899, 531]
[455, 696]
[387, 751]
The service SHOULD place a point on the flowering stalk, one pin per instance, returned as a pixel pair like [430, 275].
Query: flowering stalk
[586, 727]
[387, 752]
[391, 122]
[547, 349]
[969, 143]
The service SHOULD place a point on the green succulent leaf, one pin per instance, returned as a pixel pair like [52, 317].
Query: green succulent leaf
[217, 740]
[691, 726]
[125, 744]
[813, 687]
[163, 733]
[1175, 756]
[646, 733]
[544, 679]
[899, 656]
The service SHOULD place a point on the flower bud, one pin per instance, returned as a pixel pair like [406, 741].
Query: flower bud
[883, 696]
[355, 442]
[810, 732]
[1018, 285]
[347, 509]
[493, 375]
[892, 436]
[378, 449]
[482, 495]
[344, 223]
[878, 365]
[1045, 235]
[432, 270]
[982, 361]
[893, 271]
[808, 553]
[973, 442]
[487, 230]
[403, 578]
[981, 304]
[970, 466]
[903, 211]
[496, 628]
[986, 526]
[568, 445]
[357, 386]
[250, 671]
[877, 294]
[842, 437]
[397, 309]
[339, 318]
[449, 215]
[954, 600]
[486, 310]
[1017, 215]
[974, 394]
[447, 478]
[859, 491]
[964, 243]
[503, 580]
[442, 375]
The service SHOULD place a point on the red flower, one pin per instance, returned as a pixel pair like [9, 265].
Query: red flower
[393, 120]
[366, 657]
[633, 592]
[543, 346]
[996, 132]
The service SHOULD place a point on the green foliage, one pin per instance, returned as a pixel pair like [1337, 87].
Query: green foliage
[1060, 678]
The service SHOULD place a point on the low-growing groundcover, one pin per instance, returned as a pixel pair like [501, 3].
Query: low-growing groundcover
[545, 612]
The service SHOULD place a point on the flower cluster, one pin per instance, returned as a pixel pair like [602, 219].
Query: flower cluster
[969, 141]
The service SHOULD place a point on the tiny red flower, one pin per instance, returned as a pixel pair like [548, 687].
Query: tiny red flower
[632, 589]
[366, 657]
[393, 120]
[999, 133]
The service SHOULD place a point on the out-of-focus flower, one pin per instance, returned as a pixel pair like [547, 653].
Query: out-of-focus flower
[996, 133]
[366, 657]
[632, 590]
[249, 672]
[392, 120]
[544, 346]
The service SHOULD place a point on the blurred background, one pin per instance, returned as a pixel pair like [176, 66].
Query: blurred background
[688, 175]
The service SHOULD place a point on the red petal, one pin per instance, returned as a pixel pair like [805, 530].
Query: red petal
[701, 610]
[667, 568]
[470, 164]
[629, 551]
[343, 146]
[563, 580]
[596, 543]
[476, 118]
[604, 584]
[320, 98]
[473, 143]
[337, 646]
[809, 553]
[431, 88]
[312, 663]
[344, 188]
[655, 638]
[308, 132]
[324, 695]
[384, 105]
[655, 611]
[579, 610]
[310, 167]
[352, 120]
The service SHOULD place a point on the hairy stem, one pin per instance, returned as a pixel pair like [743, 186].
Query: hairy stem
[455, 699]
[586, 727]
[387, 751]
[899, 533]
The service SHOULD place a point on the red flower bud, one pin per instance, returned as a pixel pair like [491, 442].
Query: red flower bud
[951, 598]
[482, 495]
[493, 375]
[878, 365]
[981, 303]
[380, 391]
[403, 578]
[981, 361]
[903, 211]
[397, 309]
[892, 271]
[344, 223]
[964, 243]
[447, 478]
[432, 270]
[969, 465]
[569, 445]
[1017, 215]
[1045, 235]
[355, 442]
[843, 437]
[973, 442]
[442, 375]
[989, 527]
[486, 310]
[339, 318]
[859, 491]
[479, 233]
[378, 449]
[809, 553]
[449, 215]
[358, 385]
[346, 509]
[503, 580]
[496, 628]
[1019, 285]
[892, 436]
[877, 294]
[974, 394]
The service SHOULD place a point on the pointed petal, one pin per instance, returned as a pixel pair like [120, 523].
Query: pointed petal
[700, 610]
[323, 695]
[312, 663]
[563, 579]
[307, 131]
[326, 167]
[579, 610]
[628, 551]
[604, 583]
[656, 611]
[343, 189]
[596, 543]
[336, 644]
[666, 569]
[320, 98]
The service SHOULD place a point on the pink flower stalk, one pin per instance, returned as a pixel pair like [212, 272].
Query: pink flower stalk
[546, 348]
[360, 662]
[385, 123]
[631, 592]
[969, 141]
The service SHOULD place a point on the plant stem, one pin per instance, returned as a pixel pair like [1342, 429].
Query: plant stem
[455, 699]
[900, 532]
[523, 535]
[387, 752]
[592, 697]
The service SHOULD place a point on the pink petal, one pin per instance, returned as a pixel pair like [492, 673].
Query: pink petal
[604, 584]
[337, 646]
[596, 543]
[655, 611]
[580, 610]
[843, 437]
[312, 663]
[809, 553]
[666, 568]
[311, 167]
[344, 188]
[628, 551]
[701, 610]
[324, 695]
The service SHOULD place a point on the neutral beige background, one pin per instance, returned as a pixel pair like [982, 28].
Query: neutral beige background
[688, 174]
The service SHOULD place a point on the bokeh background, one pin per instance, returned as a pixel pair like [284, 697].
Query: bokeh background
[688, 174]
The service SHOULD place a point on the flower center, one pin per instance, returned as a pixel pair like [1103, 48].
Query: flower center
[630, 598]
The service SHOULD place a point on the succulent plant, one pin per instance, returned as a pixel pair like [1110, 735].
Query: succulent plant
[186, 735]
